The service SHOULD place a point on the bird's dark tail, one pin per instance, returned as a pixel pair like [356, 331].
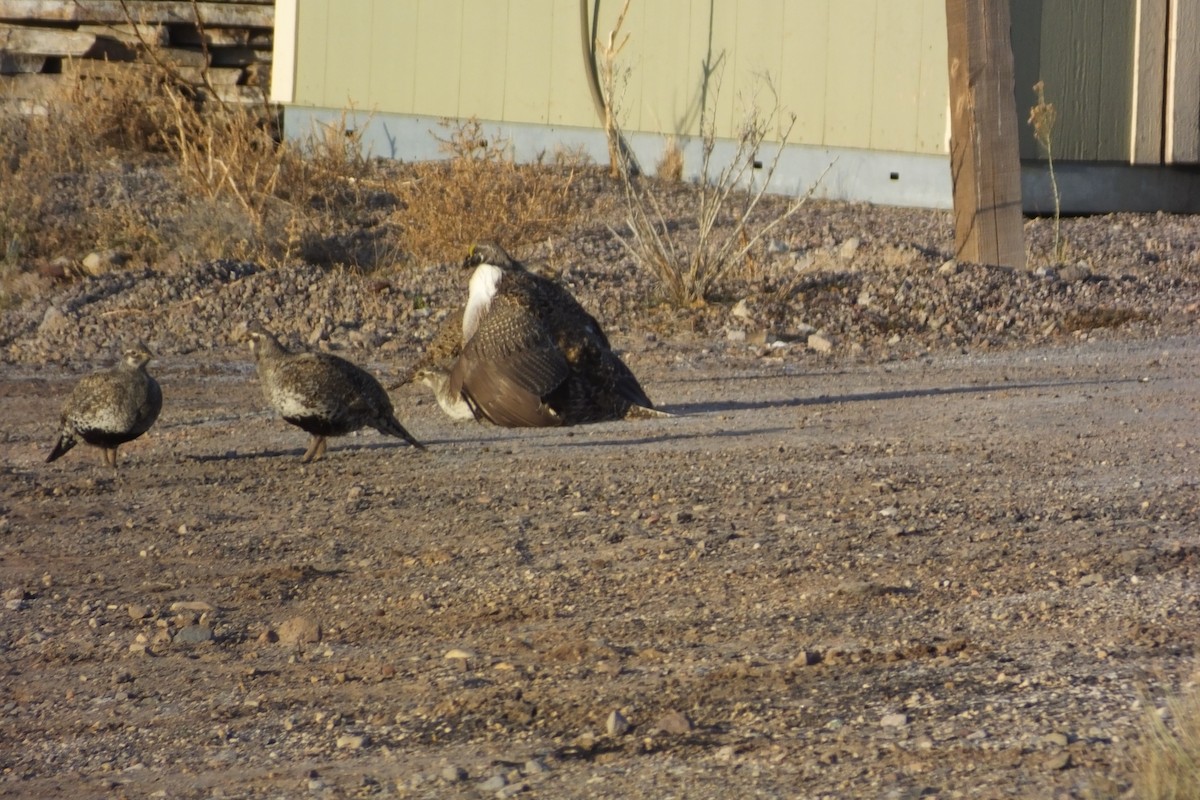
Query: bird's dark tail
[392, 427]
[65, 443]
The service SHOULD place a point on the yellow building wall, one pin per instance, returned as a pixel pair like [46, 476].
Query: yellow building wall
[856, 73]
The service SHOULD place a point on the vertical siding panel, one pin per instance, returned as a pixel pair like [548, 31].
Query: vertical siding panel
[1027, 68]
[482, 78]
[1149, 82]
[569, 98]
[932, 98]
[804, 60]
[393, 46]
[1182, 139]
[527, 66]
[759, 48]
[700, 57]
[669, 85]
[1071, 31]
[312, 43]
[348, 62]
[439, 37]
[630, 67]
[1116, 81]
[724, 83]
[897, 80]
[851, 69]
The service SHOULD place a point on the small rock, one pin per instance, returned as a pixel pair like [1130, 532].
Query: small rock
[807, 658]
[351, 741]
[53, 321]
[1073, 273]
[512, 789]
[616, 724]
[1056, 739]
[849, 248]
[493, 784]
[454, 774]
[820, 342]
[100, 262]
[948, 268]
[192, 605]
[459, 654]
[894, 720]
[138, 611]
[736, 336]
[299, 630]
[741, 310]
[535, 766]
[674, 722]
[194, 634]
[1059, 760]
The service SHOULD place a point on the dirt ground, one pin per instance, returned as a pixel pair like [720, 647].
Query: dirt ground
[963, 575]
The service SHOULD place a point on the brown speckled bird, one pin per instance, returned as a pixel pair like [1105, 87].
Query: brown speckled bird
[433, 368]
[111, 407]
[532, 356]
[321, 393]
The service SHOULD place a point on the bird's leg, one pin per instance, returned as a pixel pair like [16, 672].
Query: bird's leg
[316, 449]
[110, 456]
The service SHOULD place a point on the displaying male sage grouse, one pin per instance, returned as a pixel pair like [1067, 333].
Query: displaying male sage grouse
[111, 407]
[531, 355]
[321, 393]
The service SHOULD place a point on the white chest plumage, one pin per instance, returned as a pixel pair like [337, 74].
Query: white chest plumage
[485, 282]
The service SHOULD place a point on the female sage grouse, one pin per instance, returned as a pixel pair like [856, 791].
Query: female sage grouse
[531, 355]
[433, 370]
[111, 407]
[321, 393]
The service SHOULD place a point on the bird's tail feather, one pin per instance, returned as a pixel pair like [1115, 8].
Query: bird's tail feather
[392, 427]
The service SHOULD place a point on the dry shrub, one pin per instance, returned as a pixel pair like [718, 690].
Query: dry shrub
[1167, 764]
[670, 166]
[64, 194]
[479, 193]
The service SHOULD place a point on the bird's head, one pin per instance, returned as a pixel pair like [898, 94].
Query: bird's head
[261, 340]
[136, 355]
[489, 253]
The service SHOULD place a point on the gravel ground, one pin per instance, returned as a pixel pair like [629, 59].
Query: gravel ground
[917, 529]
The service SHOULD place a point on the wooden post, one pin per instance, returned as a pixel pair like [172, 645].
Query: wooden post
[984, 160]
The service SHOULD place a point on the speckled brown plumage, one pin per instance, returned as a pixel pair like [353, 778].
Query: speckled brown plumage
[532, 355]
[321, 393]
[111, 407]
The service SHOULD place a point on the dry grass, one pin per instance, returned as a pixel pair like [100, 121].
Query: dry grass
[221, 183]
[479, 193]
[725, 198]
[670, 165]
[1167, 763]
[1042, 118]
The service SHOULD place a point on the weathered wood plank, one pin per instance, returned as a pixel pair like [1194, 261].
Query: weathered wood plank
[132, 35]
[44, 41]
[20, 64]
[1182, 140]
[984, 163]
[1149, 81]
[216, 15]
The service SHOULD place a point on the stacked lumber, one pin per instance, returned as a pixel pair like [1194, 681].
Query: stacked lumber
[219, 47]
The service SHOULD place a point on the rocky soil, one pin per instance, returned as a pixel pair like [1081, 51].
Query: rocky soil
[917, 529]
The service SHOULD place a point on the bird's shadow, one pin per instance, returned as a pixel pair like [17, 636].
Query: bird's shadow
[692, 409]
